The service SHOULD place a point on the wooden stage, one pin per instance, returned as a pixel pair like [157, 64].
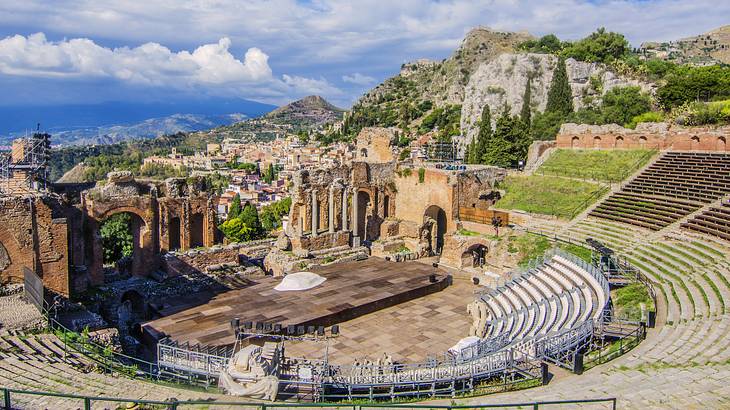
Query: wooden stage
[352, 289]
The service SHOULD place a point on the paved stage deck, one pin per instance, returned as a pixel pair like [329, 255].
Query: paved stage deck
[409, 332]
[352, 289]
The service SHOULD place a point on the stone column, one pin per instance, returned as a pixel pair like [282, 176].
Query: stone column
[344, 208]
[315, 213]
[331, 211]
[354, 212]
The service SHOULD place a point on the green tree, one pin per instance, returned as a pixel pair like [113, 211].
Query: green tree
[526, 113]
[545, 125]
[560, 96]
[116, 237]
[621, 104]
[235, 209]
[272, 214]
[509, 142]
[236, 230]
[484, 136]
[601, 46]
[270, 174]
[250, 216]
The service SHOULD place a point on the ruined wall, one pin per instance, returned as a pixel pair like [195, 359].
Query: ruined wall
[35, 235]
[660, 136]
[374, 145]
[414, 197]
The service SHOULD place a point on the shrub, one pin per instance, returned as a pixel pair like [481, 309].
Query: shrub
[651, 116]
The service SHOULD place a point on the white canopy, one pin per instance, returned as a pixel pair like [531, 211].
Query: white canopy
[299, 281]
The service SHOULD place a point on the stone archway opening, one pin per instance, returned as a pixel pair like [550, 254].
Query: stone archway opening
[721, 144]
[122, 241]
[642, 142]
[694, 143]
[364, 206]
[196, 230]
[619, 142]
[575, 142]
[173, 232]
[436, 216]
[596, 142]
[474, 256]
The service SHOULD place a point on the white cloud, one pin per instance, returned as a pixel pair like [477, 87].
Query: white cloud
[358, 79]
[150, 63]
[210, 66]
[305, 39]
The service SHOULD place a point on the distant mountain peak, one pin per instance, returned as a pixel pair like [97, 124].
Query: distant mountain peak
[308, 112]
[308, 103]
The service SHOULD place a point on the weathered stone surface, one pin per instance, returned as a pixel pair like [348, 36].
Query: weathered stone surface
[660, 136]
[503, 80]
[118, 177]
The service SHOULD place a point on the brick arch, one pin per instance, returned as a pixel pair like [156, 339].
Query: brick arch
[145, 242]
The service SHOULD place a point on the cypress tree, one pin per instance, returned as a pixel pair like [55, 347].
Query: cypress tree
[525, 114]
[485, 134]
[498, 149]
[235, 208]
[560, 96]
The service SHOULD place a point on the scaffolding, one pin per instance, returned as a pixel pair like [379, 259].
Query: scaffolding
[25, 168]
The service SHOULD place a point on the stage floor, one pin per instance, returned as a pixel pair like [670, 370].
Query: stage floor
[352, 289]
[409, 332]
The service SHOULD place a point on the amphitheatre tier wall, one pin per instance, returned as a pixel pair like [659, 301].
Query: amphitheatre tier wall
[660, 136]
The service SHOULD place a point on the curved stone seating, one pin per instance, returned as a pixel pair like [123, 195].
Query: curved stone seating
[558, 295]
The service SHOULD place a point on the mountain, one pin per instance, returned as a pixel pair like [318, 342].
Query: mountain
[150, 128]
[83, 123]
[421, 86]
[311, 111]
[705, 49]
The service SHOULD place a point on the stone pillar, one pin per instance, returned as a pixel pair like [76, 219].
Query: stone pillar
[354, 212]
[331, 211]
[344, 209]
[315, 213]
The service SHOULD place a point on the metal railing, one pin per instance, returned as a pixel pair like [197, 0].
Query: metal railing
[174, 404]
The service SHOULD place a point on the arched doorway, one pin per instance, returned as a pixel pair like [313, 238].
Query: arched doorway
[173, 234]
[596, 142]
[196, 230]
[642, 142]
[386, 206]
[122, 239]
[619, 142]
[364, 207]
[474, 256]
[694, 143]
[575, 142]
[438, 216]
[721, 144]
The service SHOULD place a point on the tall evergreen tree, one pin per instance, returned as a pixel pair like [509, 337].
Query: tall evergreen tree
[235, 208]
[525, 114]
[560, 96]
[469, 155]
[485, 134]
[498, 149]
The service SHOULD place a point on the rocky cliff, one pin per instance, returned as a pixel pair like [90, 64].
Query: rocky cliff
[503, 81]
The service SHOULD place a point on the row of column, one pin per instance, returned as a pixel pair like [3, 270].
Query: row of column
[331, 211]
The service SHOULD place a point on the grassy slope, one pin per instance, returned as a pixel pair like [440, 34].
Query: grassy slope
[547, 194]
[601, 165]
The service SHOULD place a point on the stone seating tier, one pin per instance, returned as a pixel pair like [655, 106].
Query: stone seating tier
[671, 188]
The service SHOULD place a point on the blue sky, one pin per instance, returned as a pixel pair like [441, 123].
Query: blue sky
[274, 51]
